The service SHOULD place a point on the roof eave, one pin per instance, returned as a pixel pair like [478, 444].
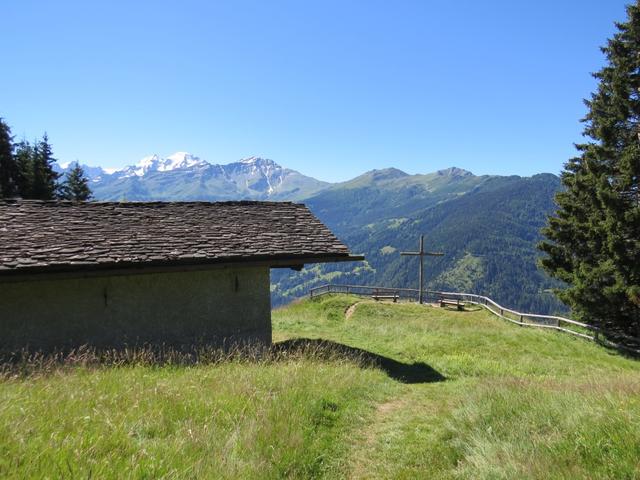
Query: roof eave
[119, 269]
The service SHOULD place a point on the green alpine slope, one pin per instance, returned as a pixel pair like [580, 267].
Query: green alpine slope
[487, 226]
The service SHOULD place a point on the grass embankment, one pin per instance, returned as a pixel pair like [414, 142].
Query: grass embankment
[457, 395]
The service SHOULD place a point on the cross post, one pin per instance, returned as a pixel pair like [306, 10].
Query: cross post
[422, 254]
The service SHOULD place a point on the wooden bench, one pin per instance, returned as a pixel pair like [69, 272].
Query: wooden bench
[385, 296]
[451, 302]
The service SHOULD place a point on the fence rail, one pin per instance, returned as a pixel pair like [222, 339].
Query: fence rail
[553, 322]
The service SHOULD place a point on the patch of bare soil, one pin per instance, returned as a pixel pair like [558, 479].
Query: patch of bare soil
[349, 311]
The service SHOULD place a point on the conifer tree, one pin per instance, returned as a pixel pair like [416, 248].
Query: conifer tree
[24, 168]
[593, 242]
[44, 184]
[8, 170]
[76, 185]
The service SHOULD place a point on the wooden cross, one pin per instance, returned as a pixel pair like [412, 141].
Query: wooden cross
[422, 254]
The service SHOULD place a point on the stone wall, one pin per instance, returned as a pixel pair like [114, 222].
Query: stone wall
[218, 306]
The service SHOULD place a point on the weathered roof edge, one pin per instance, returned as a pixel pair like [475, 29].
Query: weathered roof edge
[150, 202]
[136, 268]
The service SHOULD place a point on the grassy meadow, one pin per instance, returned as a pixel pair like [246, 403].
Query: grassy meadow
[386, 391]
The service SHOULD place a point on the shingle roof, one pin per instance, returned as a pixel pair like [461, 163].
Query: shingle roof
[53, 236]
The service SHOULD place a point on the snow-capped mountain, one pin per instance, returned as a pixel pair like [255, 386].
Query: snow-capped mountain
[91, 172]
[183, 176]
[258, 174]
[155, 163]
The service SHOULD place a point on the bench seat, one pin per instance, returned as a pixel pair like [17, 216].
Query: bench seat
[451, 303]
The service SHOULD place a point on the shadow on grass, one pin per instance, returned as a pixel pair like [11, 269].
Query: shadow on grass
[417, 372]
[470, 307]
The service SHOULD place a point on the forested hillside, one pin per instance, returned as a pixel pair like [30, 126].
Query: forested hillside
[487, 226]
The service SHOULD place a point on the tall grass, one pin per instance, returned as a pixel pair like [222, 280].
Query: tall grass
[277, 415]
[28, 363]
[586, 428]
[393, 391]
[516, 402]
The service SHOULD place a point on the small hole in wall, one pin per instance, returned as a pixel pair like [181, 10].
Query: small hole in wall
[236, 284]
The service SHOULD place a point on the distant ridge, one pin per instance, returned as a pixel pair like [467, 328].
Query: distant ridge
[454, 172]
[184, 176]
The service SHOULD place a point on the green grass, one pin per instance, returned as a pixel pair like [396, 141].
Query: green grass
[516, 403]
[456, 395]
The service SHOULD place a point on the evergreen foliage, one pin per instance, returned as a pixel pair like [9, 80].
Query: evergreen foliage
[35, 177]
[593, 242]
[24, 168]
[76, 185]
[44, 180]
[27, 171]
[8, 169]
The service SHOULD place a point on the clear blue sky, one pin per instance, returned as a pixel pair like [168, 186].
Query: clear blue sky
[329, 88]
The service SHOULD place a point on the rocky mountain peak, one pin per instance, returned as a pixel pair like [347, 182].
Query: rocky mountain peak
[454, 172]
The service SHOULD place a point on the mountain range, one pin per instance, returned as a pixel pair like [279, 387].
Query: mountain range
[487, 225]
[183, 176]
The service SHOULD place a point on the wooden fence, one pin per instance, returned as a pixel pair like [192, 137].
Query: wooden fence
[552, 322]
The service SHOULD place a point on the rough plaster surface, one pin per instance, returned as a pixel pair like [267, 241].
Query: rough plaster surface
[220, 306]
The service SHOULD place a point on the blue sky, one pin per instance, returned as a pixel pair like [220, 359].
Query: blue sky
[329, 88]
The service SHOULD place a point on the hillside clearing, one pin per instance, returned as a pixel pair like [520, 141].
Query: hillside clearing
[456, 395]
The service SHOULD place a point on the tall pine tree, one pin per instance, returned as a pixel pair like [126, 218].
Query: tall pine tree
[8, 169]
[24, 166]
[76, 185]
[593, 243]
[44, 185]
